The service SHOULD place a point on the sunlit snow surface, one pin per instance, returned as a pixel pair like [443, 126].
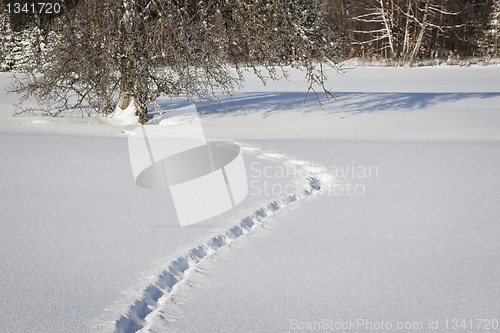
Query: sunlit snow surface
[82, 248]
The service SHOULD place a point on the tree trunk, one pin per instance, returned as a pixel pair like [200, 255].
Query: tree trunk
[142, 114]
[421, 34]
[124, 102]
[388, 29]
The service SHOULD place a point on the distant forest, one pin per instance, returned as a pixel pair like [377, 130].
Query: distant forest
[400, 30]
[416, 29]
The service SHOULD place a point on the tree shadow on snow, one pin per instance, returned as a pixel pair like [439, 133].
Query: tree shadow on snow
[268, 103]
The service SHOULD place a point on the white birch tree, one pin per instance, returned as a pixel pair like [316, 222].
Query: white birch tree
[401, 26]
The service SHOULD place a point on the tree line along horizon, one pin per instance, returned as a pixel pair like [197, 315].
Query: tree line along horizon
[405, 30]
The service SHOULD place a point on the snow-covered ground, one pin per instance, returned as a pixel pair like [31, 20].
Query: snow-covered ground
[396, 218]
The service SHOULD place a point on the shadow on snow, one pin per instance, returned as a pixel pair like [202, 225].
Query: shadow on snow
[268, 103]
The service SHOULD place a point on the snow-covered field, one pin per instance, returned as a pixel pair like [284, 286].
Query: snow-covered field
[390, 215]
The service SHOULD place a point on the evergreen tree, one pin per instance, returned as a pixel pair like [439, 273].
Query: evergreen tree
[492, 37]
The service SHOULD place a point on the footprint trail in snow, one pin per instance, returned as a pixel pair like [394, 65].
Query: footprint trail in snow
[144, 309]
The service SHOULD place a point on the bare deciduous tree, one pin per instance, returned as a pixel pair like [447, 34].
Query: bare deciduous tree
[400, 28]
[100, 55]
